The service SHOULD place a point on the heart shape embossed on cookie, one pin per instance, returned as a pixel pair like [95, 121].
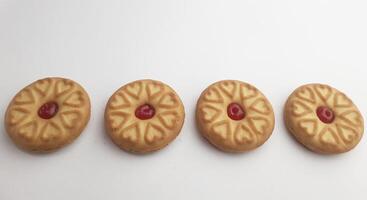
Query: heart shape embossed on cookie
[131, 133]
[228, 87]
[247, 92]
[28, 130]
[221, 129]
[352, 117]
[309, 126]
[340, 100]
[212, 95]
[134, 89]
[243, 135]
[209, 113]
[259, 124]
[260, 106]
[70, 118]
[168, 101]
[24, 97]
[323, 91]
[50, 131]
[328, 137]
[169, 119]
[118, 119]
[119, 101]
[18, 115]
[75, 99]
[347, 133]
[153, 133]
[42, 86]
[63, 87]
[154, 89]
[306, 94]
[300, 109]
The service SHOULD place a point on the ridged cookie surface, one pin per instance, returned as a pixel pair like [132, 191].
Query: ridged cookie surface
[234, 116]
[47, 114]
[144, 116]
[323, 119]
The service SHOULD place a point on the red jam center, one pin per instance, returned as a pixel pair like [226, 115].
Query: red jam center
[325, 114]
[145, 112]
[48, 110]
[235, 111]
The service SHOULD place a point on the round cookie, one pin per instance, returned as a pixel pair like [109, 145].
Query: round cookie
[144, 116]
[234, 116]
[47, 114]
[323, 119]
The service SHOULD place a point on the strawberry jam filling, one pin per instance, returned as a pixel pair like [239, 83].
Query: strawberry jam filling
[235, 111]
[145, 112]
[325, 114]
[48, 110]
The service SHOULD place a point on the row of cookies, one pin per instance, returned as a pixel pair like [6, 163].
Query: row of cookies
[146, 115]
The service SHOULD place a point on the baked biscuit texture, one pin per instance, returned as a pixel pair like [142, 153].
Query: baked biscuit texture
[47, 114]
[323, 119]
[234, 116]
[144, 116]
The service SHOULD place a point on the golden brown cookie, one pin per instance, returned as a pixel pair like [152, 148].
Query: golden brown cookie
[234, 116]
[323, 119]
[47, 114]
[144, 116]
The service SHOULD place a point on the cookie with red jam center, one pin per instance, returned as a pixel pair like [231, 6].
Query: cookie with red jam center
[234, 116]
[144, 116]
[47, 114]
[323, 119]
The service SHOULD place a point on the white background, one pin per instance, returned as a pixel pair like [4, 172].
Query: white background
[275, 45]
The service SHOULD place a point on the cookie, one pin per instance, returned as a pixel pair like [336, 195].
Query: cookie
[47, 114]
[234, 116]
[144, 116]
[323, 119]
